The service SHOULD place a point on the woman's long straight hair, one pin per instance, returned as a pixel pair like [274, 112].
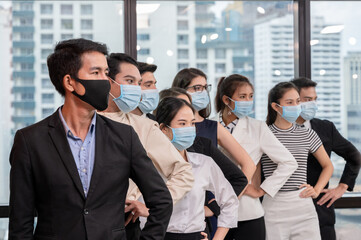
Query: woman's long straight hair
[274, 95]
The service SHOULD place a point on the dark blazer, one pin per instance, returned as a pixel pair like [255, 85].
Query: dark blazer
[334, 142]
[44, 178]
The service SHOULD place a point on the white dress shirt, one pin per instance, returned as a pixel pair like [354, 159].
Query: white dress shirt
[188, 213]
[256, 138]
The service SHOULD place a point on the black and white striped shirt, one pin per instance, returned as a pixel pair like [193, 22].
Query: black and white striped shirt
[300, 141]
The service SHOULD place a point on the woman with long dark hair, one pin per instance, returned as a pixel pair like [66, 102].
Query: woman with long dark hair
[177, 121]
[234, 103]
[195, 82]
[290, 214]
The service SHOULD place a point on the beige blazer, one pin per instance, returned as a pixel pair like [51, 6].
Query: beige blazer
[170, 164]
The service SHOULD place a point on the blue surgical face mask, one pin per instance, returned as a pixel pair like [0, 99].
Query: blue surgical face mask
[150, 99]
[200, 100]
[309, 110]
[241, 108]
[291, 113]
[183, 137]
[129, 97]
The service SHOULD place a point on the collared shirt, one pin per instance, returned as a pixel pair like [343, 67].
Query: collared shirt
[83, 152]
[170, 164]
[230, 127]
[256, 138]
[188, 213]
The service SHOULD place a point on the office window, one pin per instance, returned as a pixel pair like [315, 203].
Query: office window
[46, 112]
[67, 24]
[86, 24]
[202, 53]
[220, 68]
[182, 25]
[87, 36]
[66, 9]
[65, 36]
[47, 98]
[143, 37]
[86, 9]
[47, 38]
[46, 23]
[220, 53]
[46, 8]
[46, 83]
[26, 36]
[45, 52]
[182, 66]
[182, 10]
[183, 54]
[144, 51]
[182, 39]
[26, 96]
[26, 21]
[26, 6]
[44, 68]
[203, 66]
[26, 66]
[26, 51]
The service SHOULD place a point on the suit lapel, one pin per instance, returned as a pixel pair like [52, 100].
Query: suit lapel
[57, 134]
[101, 131]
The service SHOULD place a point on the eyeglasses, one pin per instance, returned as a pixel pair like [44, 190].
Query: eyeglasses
[200, 88]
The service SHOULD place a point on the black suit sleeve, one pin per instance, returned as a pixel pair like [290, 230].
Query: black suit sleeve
[155, 193]
[233, 174]
[22, 196]
[352, 156]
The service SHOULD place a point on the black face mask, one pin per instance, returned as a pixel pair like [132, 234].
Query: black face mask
[96, 93]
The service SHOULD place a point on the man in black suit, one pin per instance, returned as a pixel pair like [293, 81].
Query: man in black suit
[72, 168]
[333, 142]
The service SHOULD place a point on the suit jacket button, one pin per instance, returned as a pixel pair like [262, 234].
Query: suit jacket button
[86, 211]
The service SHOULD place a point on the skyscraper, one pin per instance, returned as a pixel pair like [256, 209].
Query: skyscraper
[5, 104]
[352, 76]
[37, 27]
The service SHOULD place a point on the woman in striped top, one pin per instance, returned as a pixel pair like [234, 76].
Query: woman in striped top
[290, 214]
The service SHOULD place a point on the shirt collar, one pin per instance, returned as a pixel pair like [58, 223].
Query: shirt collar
[67, 129]
[193, 158]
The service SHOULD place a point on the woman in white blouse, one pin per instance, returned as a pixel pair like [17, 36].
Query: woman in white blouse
[234, 102]
[177, 121]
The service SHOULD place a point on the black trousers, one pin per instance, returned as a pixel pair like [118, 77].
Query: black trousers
[327, 220]
[248, 230]
[183, 236]
[133, 230]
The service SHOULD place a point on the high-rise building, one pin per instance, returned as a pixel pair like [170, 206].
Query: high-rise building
[5, 104]
[274, 62]
[37, 27]
[352, 76]
[326, 71]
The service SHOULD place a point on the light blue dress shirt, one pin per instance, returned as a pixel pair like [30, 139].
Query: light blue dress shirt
[83, 152]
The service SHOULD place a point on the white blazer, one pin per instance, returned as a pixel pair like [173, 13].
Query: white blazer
[257, 139]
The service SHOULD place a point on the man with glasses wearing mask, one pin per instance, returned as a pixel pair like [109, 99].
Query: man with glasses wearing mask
[333, 142]
[73, 167]
[125, 95]
[150, 94]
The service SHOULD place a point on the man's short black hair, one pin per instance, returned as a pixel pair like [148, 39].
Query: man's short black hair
[66, 59]
[303, 82]
[145, 67]
[114, 61]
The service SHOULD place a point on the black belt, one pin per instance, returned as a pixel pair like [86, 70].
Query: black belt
[183, 236]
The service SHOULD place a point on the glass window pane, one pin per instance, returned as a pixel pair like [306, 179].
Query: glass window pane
[26, 39]
[336, 67]
[348, 221]
[253, 38]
